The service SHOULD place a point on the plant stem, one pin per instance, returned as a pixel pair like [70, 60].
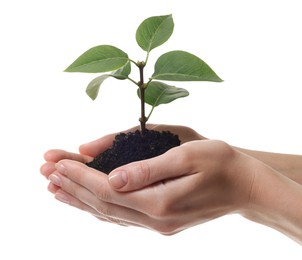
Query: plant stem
[143, 119]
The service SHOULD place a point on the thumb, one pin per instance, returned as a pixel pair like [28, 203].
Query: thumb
[137, 175]
[98, 146]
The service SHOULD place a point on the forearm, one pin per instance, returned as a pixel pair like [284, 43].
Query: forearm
[275, 201]
[287, 164]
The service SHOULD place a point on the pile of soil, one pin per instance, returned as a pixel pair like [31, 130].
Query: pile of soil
[134, 146]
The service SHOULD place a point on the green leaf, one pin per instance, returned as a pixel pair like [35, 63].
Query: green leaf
[154, 31]
[101, 58]
[183, 66]
[158, 93]
[123, 72]
[93, 87]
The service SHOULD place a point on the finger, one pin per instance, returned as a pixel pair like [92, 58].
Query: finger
[53, 188]
[47, 168]
[172, 164]
[98, 146]
[93, 180]
[97, 183]
[146, 207]
[66, 198]
[56, 155]
[78, 196]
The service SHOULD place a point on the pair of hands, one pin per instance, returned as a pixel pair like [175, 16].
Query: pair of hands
[198, 181]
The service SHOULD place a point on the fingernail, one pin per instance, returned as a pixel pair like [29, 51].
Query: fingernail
[118, 179]
[62, 197]
[55, 179]
[60, 168]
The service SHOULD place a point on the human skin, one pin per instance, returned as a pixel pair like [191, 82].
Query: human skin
[207, 179]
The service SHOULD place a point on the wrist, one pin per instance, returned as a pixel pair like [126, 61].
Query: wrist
[274, 202]
[289, 165]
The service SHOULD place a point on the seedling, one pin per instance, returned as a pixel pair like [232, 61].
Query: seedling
[172, 66]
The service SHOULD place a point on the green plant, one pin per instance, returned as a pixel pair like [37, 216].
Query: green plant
[171, 66]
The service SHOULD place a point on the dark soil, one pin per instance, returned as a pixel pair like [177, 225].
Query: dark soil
[134, 146]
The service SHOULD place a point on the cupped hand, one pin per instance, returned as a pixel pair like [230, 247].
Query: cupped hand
[186, 186]
[90, 150]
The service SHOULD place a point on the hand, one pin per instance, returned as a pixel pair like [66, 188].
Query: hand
[190, 184]
[200, 185]
[90, 150]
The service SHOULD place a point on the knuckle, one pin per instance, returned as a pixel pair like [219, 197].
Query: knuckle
[185, 157]
[166, 219]
[145, 172]
[186, 154]
[139, 173]
[225, 150]
[103, 210]
[167, 228]
[106, 212]
[162, 210]
[102, 193]
[223, 146]
[71, 187]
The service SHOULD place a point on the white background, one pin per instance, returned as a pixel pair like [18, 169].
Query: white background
[255, 46]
